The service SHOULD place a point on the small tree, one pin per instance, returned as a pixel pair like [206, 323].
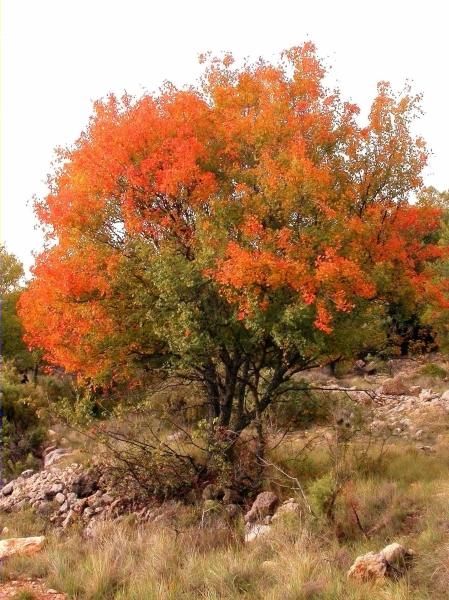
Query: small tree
[237, 233]
[12, 344]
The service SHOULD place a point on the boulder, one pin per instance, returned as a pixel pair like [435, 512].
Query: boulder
[53, 490]
[368, 567]
[20, 546]
[256, 530]
[27, 473]
[60, 498]
[389, 562]
[445, 396]
[395, 554]
[394, 387]
[371, 368]
[286, 508]
[264, 505]
[7, 490]
[55, 455]
[415, 390]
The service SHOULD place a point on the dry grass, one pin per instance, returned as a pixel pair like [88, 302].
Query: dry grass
[398, 494]
[303, 558]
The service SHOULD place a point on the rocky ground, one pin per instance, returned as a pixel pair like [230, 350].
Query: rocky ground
[36, 590]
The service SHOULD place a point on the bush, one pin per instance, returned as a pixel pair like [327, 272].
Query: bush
[23, 430]
[433, 370]
[301, 409]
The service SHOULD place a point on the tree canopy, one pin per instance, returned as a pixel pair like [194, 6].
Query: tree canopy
[237, 232]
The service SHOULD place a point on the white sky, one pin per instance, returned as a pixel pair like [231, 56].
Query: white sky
[60, 55]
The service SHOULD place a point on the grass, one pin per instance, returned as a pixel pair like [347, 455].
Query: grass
[24, 595]
[389, 493]
[303, 557]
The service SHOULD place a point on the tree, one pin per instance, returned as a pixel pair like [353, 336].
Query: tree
[12, 345]
[237, 233]
[11, 272]
[435, 310]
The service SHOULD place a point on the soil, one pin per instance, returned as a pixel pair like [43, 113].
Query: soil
[11, 590]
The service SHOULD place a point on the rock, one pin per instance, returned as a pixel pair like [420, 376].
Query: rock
[51, 492]
[445, 396]
[68, 520]
[80, 505]
[394, 387]
[265, 504]
[287, 507]
[27, 473]
[8, 489]
[368, 567]
[60, 498]
[20, 546]
[370, 368]
[395, 553]
[71, 498]
[212, 492]
[391, 561]
[427, 449]
[256, 530]
[55, 455]
[426, 395]
[415, 390]
[359, 366]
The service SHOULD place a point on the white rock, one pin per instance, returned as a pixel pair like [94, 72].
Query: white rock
[256, 530]
[20, 546]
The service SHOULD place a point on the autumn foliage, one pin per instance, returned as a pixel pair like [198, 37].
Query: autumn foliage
[243, 227]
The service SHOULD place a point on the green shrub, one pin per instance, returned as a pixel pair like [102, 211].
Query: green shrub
[301, 409]
[433, 370]
[322, 494]
[23, 431]
[25, 595]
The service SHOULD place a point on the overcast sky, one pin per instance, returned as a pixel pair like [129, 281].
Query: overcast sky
[60, 55]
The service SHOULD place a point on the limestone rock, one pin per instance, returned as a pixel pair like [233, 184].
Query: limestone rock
[54, 455]
[391, 561]
[396, 553]
[394, 387]
[20, 546]
[286, 508]
[445, 396]
[256, 530]
[415, 390]
[7, 490]
[368, 567]
[264, 505]
[27, 473]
